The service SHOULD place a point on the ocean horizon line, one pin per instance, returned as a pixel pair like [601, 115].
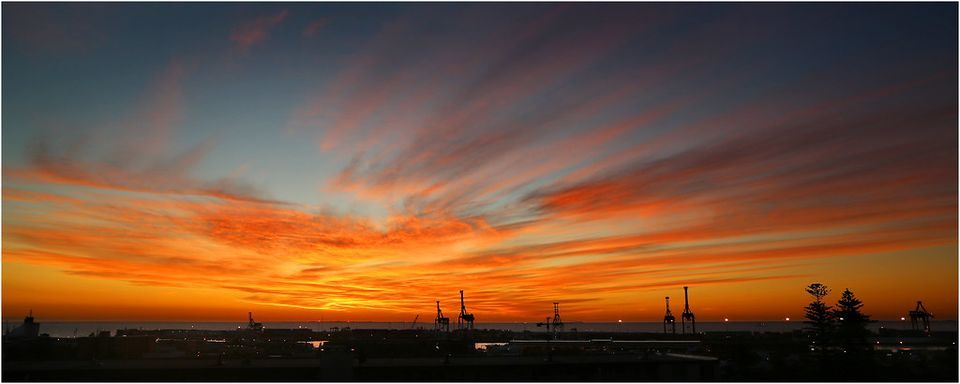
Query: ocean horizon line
[19, 319]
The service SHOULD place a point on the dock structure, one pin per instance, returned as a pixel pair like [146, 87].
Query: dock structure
[465, 320]
[687, 314]
[252, 325]
[668, 319]
[920, 318]
[29, 329]
[441, 323]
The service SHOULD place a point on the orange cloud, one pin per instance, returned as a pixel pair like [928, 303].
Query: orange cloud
[523, 169]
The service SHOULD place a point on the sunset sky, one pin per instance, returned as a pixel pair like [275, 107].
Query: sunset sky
[360, 161]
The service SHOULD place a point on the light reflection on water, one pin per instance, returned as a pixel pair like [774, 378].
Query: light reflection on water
[484, 346]
[316, 344]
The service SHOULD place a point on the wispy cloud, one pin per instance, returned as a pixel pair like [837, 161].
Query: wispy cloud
[314, 27]
[565, 153]
[255, 31]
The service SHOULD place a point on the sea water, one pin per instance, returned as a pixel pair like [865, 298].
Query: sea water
[74, 329]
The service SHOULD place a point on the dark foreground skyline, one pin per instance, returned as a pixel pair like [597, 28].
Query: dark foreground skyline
[553, 351]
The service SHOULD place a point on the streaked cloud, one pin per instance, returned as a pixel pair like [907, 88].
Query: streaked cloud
[314, 27]
[601, 156]
[255, 31]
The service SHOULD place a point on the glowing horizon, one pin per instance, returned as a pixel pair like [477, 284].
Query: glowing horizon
[351, 161]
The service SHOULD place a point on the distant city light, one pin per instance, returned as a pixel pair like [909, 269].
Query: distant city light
[903, 318]
[726, 319]
[788, 319]
[619, 321]
[841, 319]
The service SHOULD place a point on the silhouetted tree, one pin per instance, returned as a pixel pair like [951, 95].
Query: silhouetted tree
[818, 314]
[852, 331]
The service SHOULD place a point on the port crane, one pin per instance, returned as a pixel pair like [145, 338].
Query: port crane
[441, 322]
[687, 314]
[546, 323]
[668, 319]
[919, 317]
[414, 324]
[252, 325]
[465, 320]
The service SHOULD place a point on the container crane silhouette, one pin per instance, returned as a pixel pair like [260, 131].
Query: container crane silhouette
[465, 320]
[441, 323]
[668, 319]
[919, 317]
[545, 323]
[252, 325]
[687, 314]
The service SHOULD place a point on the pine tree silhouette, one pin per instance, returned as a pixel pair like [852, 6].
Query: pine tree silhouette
[852, 331]
[819, 316]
